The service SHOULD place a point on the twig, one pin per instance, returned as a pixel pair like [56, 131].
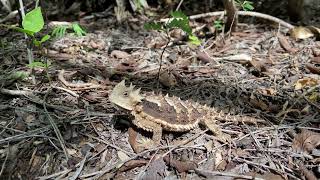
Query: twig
[25, 135]
[5, 161]
[52, 176]
[11, 15]
[66, 90]
[179, 5]
[241, 13]
[78, 171]
[55, 127]
[211, 174]
[265, 166]
[146, 167]
[15, 92]
[185, 142]
[108, 144]
[160, 63]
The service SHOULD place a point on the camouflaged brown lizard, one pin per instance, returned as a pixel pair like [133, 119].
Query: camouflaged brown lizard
[155, 113]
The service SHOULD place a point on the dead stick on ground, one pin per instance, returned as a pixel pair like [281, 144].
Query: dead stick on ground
[55, 127]
[211, 174]
[241, 13]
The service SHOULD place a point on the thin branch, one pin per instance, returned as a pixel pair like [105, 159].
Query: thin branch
[241, 13]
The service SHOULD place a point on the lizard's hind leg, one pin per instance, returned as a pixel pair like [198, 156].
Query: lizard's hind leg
[215, 129]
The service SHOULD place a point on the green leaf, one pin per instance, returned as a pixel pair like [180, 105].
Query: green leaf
[38, 64]
[194, 40]
[247, 6]
[18, 75]
[180, 23]
[33, 21]
[59, 31]
[153, 26]
[218, 24]
[45, 38]
[78, 30]
[179, 14]
[36, 42]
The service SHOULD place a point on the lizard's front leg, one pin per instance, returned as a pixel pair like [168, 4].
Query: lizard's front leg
[150, 126]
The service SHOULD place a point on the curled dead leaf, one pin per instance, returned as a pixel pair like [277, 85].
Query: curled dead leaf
[301, 83]
[119, 54]
[301, 33]
[313, 69]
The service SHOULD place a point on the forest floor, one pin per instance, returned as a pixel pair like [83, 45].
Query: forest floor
[257, 71]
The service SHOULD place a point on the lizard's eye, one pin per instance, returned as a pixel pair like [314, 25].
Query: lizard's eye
[126, 94]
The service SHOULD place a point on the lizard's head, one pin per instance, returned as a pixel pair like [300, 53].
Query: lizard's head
[125, 97]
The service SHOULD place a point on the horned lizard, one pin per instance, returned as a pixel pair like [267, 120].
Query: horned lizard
[155, 113]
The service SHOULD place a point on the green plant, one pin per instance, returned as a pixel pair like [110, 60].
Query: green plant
[78, 30]
[178, 20]
[39, 64]
[33, 23]
[245, 5]
[218, 24]
[60, 31]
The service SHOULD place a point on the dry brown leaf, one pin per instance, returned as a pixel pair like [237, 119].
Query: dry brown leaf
[155, 171]
[259, 65]
[301, 83]
[316, 60]
[119, 54]
[313, 69]
[177, 34]
[127, 66]
[218, 158]
[301, 33]
[167, 79]
[132, 164]
[267, 91]
[180, 165]
[204, 57]
[306, 141]
[259, 104]
[308, 174]
[266, 176]
[285, 44]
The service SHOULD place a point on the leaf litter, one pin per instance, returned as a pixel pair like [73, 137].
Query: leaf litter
[257, 71]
